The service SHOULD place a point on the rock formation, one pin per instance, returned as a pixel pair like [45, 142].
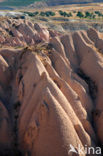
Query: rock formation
[50, 90]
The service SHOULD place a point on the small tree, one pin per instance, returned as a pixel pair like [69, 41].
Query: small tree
[42, 13]
[97, 12]
[89, 15]
[61, 12]
[65, 14]
[80, 14]
[47, 14]
[100, 14]
[93, 16]
[52, 13]
[70, 14]
[36, 13]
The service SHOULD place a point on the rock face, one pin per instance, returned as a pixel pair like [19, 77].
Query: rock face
[22, 33]
[50, 91]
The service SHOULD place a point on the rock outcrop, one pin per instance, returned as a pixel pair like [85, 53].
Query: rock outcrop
[50, 90]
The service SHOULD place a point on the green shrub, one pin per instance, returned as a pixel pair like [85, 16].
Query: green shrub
[65, 14]
[42, 13]
[80, 14]
[47, 13]
[89, 15]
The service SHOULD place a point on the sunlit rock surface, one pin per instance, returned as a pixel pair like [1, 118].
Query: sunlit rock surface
[50, 90]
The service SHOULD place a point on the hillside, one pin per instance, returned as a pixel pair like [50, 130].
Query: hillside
[16, 2]
[50, 90]
[49, 2]
[63, 2]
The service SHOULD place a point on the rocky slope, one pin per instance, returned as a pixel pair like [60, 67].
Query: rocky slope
[50, 90]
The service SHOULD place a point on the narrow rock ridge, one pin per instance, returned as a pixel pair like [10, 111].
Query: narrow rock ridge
[50, 90]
